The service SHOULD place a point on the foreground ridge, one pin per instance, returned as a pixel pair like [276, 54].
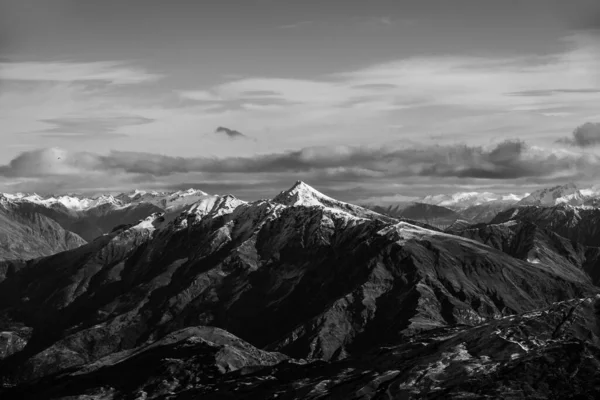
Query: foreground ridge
[547, 353]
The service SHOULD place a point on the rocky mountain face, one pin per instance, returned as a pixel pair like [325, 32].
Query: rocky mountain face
[579, 224]
[537, 245]
[301, 296]
[26, 234]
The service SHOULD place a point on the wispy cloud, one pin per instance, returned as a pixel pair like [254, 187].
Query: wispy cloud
[55, 102]
[107, 71]
[493, 85]
[86, 127]
[296, 25]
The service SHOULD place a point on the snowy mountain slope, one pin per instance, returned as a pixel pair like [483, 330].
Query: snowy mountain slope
[301, 194]
[562, 194]
[74, 203]
[168, 201]
[462, 200]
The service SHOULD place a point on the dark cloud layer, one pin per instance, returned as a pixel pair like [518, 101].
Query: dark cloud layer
[347, 173]
[586, 135]
[506, 161]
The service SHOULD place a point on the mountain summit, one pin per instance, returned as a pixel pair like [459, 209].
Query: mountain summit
[301, 194]
[562, 194]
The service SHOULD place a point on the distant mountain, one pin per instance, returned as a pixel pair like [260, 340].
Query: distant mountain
[93, 217]
[445, 209]
[563, 194]
[463, 200]
[485, 212]
[168, 201]
[444, 216]
[430, 214]
[26, 235]
[75, 203]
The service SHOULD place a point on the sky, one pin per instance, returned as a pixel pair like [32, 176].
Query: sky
[367, 101]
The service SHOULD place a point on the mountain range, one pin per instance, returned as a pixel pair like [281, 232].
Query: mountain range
[301, 296]
[476, 207]
[35, 226]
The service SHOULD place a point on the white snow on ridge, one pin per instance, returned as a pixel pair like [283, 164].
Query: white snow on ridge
[215, 205]
[514, 197]
[563, 194]
[408, 231]
[189, 192]
[302, 194]
[467, 199]
[174, 200]
[70, 202]
[151, 223]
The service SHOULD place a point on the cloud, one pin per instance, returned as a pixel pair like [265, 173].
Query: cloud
[296, 25]
[586, 135]
[90, 127]
[500, 84]
[434, 98]
[551, 92]
[506, 161]
[200, 95]
[105, 71]
[230, 133]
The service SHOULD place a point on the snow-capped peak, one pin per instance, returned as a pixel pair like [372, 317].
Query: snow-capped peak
[514, 197]
[136, 193]
[70, 202]
[217, 205]
[302, 194]
[562, 194]
[151, 223]
[189, 192]
[463, 200]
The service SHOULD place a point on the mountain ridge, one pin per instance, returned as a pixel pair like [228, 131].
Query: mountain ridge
[225, 291]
